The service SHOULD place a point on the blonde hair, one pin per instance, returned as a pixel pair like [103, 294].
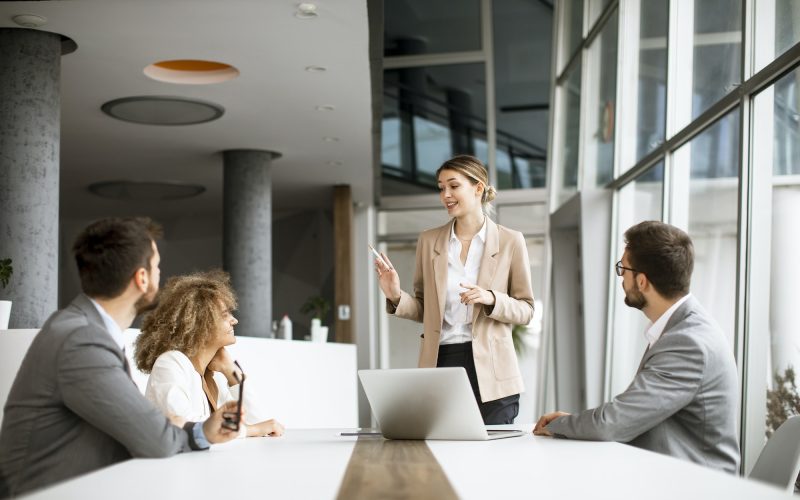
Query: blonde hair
[476, 172]
[186, 315]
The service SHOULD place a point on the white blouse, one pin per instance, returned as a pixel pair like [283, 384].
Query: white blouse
[176, 388]
[457, 321]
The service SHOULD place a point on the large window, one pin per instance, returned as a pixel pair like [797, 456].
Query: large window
[603, 104]
[637, 201]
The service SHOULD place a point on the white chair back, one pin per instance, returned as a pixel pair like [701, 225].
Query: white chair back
[779, 461]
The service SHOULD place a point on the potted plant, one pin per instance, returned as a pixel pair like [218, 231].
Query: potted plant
[783, 401]
[5, 305]
[317, 306]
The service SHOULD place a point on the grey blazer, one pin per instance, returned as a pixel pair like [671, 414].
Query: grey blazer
[73, 408]
[682, 401]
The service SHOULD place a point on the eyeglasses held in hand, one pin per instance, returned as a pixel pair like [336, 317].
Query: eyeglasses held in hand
[231, 420]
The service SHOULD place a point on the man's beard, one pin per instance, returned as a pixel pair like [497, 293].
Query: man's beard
[634, 298]
[146, 302]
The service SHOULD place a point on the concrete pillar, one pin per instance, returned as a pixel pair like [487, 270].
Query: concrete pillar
[247, 236]
[30, 117]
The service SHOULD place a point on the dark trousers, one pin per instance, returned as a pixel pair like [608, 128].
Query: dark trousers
[499, 411]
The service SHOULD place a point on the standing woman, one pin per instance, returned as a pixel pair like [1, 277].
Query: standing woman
[472, 283]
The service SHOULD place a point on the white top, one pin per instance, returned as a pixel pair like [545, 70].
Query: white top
[654, 331]
[457, 321]
[112, 327]
[177, 389]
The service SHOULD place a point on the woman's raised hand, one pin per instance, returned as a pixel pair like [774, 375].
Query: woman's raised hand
[388, 279]
[223, 362]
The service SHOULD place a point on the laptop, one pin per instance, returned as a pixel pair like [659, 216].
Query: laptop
[427, 403]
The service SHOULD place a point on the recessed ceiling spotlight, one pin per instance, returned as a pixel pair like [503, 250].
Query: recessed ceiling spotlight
[334, 163]
[306, 11]
[29, 20]
[330, 139]
[316, 69]
[325, 107]
[191, 71]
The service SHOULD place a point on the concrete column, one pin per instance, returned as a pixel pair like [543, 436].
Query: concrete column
[30, 118]
[247, 236]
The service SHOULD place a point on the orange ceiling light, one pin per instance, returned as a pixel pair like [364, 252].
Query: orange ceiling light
[191, 71]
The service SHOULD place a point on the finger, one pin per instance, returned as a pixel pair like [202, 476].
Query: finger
[385, 258]
[467, 285]
[379, 265]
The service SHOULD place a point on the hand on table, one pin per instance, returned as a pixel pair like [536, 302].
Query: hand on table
[540, 429]
[269, 427]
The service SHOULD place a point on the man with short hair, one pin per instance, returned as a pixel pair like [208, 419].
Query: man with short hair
[683, 399]
[73, 407]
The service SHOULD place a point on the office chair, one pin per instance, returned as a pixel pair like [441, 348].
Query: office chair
[779, 461]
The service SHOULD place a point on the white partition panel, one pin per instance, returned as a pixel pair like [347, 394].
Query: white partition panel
[302, 384]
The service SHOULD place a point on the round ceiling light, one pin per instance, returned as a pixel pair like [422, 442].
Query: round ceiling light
[145, 191]
[316, 69]
[325, 107]
[162, 110]
[191, 71]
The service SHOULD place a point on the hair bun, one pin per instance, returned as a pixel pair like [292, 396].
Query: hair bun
[491, 193]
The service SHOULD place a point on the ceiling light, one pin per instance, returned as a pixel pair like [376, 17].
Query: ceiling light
[330, 139]
[145, 191]
[29, 20]
[162, 110]
[334, 163]
[191, 71]
[316, 69]
[325, 107]
[306, 11]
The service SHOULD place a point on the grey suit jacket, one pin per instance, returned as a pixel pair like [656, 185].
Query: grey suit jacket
[682, 401]
[73, 408]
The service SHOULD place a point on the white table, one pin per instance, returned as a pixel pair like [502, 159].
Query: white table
[310, 464]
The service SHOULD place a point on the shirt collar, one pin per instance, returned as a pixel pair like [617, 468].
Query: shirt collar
[480, 234]
[654, 331]
[112, 327]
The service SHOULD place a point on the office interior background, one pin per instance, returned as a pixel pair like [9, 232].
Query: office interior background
[591, 115]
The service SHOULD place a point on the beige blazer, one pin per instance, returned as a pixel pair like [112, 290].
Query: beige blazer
[505, 270]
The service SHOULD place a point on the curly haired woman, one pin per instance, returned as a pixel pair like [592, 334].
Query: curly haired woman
[182, 346]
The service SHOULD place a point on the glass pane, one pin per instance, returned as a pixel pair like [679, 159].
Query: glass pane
[522, 46]
[603, 97]
[715, 54]
[399, 337]
[596, 7]
[713, 161]
[777, 29]
[570, 135]
[787, 126]
[410, 222]
[637, 201]
[413, 27]
[781, 335]
[652, 81]
[528, 219]
[429, 115]
[573, 28]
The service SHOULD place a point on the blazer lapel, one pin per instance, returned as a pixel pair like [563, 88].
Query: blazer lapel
[488, 262]
[440, 251]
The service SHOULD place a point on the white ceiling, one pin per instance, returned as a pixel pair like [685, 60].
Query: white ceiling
[271, 105]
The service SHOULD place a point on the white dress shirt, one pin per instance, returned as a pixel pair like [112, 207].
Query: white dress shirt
[457, 321]
[112, 327]
[176, 388]
[654, 331]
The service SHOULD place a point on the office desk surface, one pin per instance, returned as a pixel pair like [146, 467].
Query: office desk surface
[310, 464]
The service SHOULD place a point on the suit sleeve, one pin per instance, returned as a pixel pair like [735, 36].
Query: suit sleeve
[95, 385]
[516, 306]
[412, 307]
[668, 381]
